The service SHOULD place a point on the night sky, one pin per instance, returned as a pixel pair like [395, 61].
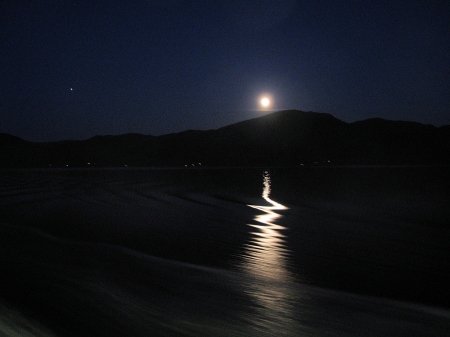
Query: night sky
[75, 69]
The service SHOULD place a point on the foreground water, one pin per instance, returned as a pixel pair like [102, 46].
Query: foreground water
[225, 252]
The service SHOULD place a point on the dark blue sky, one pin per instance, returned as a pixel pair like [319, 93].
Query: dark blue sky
[158, 67]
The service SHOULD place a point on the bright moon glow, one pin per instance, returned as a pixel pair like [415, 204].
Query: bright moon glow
[265, 102]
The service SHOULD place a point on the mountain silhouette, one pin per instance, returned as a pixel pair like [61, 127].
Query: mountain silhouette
[283, 138]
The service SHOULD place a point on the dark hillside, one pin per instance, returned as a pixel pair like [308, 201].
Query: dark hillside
[379, 141]
[284, 138]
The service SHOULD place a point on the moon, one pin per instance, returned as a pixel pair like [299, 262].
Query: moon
[265, 102]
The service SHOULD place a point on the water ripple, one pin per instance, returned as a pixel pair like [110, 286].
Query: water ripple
[264, 260]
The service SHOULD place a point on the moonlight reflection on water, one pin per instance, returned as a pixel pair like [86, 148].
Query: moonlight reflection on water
[105, 248]
[264, 261]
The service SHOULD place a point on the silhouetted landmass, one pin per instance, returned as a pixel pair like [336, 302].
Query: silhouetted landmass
[284, 138]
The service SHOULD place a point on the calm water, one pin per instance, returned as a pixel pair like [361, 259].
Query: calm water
[225, 252]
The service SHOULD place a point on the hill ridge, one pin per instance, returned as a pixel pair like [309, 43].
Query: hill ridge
[281, 138]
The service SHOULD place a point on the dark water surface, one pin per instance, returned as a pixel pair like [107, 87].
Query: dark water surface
[313, 251]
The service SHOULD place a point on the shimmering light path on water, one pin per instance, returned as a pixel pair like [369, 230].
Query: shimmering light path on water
[264, 260]
[144, 252]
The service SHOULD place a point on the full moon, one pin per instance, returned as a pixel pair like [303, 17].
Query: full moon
[265, 102]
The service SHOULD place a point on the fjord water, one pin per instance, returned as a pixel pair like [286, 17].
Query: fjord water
[311, 251]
